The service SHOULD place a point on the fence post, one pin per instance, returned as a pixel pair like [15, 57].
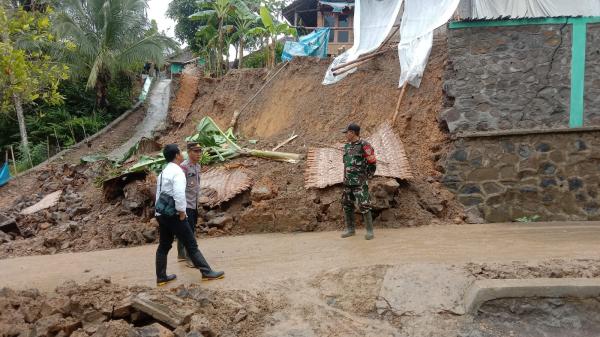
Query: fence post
[12, 152]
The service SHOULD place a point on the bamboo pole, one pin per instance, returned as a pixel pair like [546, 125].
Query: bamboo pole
[12, 153]
[57, 142]
[261, 88]
[402, 91]
[369, 56]
[84, 133]
[351, 67]
[29, 157]
[284, 142]
[48, 146]
[360, 59]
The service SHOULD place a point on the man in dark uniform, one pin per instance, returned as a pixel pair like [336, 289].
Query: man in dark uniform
[359, 166]
[191, 168]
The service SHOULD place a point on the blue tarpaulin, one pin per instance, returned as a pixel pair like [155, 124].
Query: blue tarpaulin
[4, 174]
[313, 44]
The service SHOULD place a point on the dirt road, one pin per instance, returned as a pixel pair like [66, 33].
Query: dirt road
[257, 261]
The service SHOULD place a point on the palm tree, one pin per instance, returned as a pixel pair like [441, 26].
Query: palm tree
[109, 36]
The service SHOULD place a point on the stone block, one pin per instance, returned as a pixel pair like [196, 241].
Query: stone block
[482, 174]
[575, 183]
[493, 188]
[470, 189]
[508, 172]
[547, 168]
[470, 200]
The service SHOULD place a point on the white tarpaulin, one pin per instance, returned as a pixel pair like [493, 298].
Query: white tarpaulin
[373, 21]
[482, 9]
[420, 19]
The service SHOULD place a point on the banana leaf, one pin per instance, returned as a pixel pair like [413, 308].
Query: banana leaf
[218, 146]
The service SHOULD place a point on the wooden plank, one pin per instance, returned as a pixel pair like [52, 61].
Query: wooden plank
[400, 97]
[46, 202]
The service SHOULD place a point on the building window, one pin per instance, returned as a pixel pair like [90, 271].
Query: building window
[343, 36]
[338, 21]
[329, 21]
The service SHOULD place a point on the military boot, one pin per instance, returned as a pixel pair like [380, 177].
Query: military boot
[368, 219]
[349, 216]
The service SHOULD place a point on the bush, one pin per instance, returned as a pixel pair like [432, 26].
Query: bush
[38, 152]
[258, 59]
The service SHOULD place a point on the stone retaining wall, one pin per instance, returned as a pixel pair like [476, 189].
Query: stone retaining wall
[554, 176]
[518, 77]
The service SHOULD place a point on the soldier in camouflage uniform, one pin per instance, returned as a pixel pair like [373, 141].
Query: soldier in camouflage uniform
[359, 166]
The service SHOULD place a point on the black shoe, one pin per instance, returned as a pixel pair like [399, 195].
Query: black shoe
[163, 281]
[213, 275]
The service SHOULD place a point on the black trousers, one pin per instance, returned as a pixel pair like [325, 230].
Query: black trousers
[192, 215]
[169, 228]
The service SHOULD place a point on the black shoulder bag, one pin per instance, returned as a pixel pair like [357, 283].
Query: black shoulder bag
[165, 205]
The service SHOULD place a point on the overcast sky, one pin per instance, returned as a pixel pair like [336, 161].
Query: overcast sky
[156, 11]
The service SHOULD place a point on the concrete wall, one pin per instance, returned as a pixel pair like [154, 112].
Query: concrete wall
[554, 176]
[518, 77]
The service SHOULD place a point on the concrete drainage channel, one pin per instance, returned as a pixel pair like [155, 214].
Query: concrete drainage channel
[534, 307]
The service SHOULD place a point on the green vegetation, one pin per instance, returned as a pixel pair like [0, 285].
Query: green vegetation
[218, 145]
[67, 71]
[29, 74]
[110, 36]
[214, 27]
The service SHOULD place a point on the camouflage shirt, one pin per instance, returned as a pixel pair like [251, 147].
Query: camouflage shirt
[359, 163]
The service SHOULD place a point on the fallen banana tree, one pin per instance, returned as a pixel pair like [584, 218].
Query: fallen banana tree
[219, 146]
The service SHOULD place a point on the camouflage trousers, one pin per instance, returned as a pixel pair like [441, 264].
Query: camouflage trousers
[356, 196]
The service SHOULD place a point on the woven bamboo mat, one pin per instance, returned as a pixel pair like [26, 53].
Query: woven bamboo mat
[220, 184]
[325, 166]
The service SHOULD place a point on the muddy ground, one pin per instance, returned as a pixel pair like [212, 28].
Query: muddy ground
[294, 102]
[404, 300]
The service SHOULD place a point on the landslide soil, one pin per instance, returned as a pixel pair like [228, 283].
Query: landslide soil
[379, 300]
[294, 102]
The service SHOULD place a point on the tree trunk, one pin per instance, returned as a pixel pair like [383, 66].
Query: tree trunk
[226, 58]
[101, 94]
[220, 52]
[102, 89]
[17, 102]
[21, 120]
[267, 52]
[241, 54]
[271, 50]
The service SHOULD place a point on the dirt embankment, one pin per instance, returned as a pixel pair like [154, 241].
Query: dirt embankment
[295, 102]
